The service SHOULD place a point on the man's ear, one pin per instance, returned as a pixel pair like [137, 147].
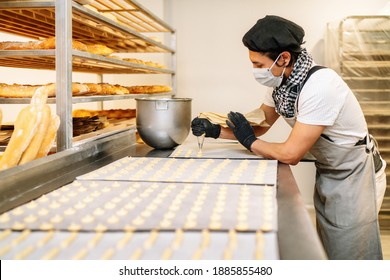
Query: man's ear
[285, 59]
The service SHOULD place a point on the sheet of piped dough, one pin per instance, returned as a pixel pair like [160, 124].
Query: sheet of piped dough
[111, 205]
[199, 170]
[144, 245]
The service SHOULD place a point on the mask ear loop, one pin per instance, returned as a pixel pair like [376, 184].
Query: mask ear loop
[269, 69]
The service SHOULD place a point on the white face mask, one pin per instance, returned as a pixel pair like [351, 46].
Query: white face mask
[265, 77]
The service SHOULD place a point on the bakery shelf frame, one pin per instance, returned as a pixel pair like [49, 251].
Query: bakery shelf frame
[117, 24]
[35, 19]
[364, 61]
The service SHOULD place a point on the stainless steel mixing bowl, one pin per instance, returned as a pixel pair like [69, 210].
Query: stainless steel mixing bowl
[163, 123]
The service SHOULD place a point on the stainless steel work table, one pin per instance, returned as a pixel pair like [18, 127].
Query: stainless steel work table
[296, 236]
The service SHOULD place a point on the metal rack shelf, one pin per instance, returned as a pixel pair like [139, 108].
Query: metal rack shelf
[117, 24]
[87, 98]
[36, 19]
[364, 57]
[82, 62]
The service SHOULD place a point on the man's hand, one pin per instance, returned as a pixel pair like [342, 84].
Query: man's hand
[201, 126]
[241, 129]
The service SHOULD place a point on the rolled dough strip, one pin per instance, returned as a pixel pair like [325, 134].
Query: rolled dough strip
[1, 117]
[24, 129]
[49, 138]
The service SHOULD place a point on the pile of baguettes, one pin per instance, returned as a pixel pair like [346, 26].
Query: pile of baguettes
[34, 132]
[79, 89]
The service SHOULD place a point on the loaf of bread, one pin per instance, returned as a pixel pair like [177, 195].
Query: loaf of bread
[50, 137]
[94, 89]
[99, 49]
[108, 89]
[24, 129]
[148, 63]
[110, 114]
[50, 43]
[17, 91]
[79, 89]
[43, 120]
[149, 89]
[13, 45]
[32, 127]
[27, 91]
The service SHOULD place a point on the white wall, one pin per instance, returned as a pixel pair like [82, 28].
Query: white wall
[213, 64]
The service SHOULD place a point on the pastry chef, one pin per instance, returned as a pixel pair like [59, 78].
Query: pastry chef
[326, 121]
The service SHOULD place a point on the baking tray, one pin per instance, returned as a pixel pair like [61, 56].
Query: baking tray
[199, 170]
[154, 245]
[122, 205]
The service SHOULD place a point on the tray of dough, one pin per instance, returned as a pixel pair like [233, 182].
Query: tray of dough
[121, 205]
[147, 245]
[218, 171]
[212, 148]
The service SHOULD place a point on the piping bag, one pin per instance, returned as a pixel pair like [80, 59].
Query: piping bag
[200, 142]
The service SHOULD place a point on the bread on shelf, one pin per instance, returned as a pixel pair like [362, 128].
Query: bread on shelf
[110, 114]
[27, 91]
[50, 43]
[149, 89]
[99, 49]
[143, 62]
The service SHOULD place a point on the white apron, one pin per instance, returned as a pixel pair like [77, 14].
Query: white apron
[345, 200]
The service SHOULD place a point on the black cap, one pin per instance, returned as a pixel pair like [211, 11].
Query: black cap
[273, 33]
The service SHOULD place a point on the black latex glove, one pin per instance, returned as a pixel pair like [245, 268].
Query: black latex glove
[201, 126]
[241, 129]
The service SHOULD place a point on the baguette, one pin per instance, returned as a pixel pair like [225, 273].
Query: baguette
[79, 89]
[49, 138]
[17, 91]
[110, 114]
[25, 91]
[11, 45]
[94, 89]
[50, 43]
[99, 49]
[149, 89]
[108, 89]
[24, 129]
[32, 149]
